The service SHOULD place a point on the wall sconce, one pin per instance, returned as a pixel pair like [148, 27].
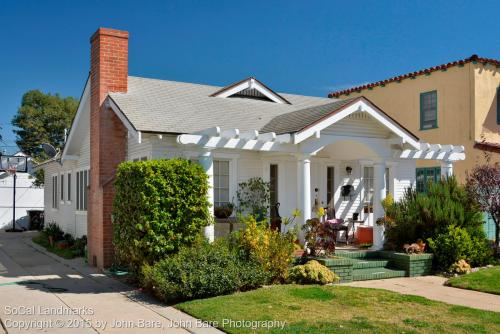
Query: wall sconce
[348, 170]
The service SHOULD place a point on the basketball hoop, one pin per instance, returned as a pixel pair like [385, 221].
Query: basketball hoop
[11, 169]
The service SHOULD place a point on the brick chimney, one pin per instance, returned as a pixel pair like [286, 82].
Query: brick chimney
[108, 138]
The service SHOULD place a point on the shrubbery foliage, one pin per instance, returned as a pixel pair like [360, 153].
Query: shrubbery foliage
[456, 244]
[444, 216]
[202, 270]
[160, 205]
[312, 272]
[272, 249]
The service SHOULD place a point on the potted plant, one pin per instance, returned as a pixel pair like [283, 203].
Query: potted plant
[224, 211]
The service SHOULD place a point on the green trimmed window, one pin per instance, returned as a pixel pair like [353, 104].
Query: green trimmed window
[424, 175]
[428, 110]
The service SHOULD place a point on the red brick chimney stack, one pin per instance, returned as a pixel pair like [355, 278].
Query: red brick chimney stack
[108, 138]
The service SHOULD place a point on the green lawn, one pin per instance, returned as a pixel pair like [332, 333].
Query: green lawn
[43, 241]
[339, 309]
[485, 280]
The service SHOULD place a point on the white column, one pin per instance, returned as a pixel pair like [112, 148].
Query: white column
[446, 168]
[378, 210]
[304, 186]
[207, 162]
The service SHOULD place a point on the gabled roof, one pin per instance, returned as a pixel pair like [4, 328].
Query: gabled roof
[162, 106]
[297, 120]
[250, 87]
[473, 58]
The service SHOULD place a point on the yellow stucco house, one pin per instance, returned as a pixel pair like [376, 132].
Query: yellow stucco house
[456, 103]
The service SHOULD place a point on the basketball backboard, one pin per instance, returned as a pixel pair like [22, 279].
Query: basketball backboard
[13, 162]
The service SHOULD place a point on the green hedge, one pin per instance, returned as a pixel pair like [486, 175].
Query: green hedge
[159, 206]
[202, 270]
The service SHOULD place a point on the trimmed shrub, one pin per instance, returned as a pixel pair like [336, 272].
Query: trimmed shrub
[159, 206]
[202, 270]
[312, 272]
[455, 244]
[272, 249]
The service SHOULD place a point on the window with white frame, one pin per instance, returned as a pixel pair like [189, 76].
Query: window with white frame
[387, 182]
[368, 188]
[82, 182]
[221, 182]
[68, 193]
[62, 187]
[55, 198]
[330, 185]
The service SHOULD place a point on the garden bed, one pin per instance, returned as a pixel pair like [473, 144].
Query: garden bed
[67, 253]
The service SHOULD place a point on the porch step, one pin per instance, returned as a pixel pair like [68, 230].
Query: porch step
[370, 263]
[376, 273]
[364, 254]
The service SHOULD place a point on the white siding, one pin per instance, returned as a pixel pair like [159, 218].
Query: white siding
[404, 177]
[358, 124]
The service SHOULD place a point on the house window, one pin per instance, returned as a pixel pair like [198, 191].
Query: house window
[221, 182]
[426, 175]
[68, 194]
[55, 198]
[330, 179]
[387, 182]
[428, 110]
[82, 182]
[62, 187]
[273, 188]
[368, 186]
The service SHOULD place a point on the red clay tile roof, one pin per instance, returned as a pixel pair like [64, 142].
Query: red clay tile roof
[473, 58]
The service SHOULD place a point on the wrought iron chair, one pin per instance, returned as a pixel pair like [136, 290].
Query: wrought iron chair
[338, 223]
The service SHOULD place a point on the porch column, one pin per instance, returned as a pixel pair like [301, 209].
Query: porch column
[378, 210]
[446, 168]
[207, 162]
[304, 186]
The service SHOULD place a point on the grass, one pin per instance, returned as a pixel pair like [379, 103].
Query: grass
[42, 240]
[484, 280]
[337, 309]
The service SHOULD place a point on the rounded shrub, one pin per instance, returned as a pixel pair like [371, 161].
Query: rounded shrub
[312, 272]
[159, 206]
[202, 270]
[456, 244]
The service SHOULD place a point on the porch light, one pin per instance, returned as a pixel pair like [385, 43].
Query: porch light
[348, 170]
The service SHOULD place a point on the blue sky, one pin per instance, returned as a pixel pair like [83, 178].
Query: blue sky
[304, 47]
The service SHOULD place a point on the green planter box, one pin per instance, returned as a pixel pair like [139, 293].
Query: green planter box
[413, 264]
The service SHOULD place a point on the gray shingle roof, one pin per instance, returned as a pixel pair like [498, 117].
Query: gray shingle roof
[297, 120]
[163, 106]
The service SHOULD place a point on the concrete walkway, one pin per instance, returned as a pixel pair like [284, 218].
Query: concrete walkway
[41, 292]
[432, 287]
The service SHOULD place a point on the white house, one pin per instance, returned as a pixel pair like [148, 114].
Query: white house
[307, 147]
[28, 197]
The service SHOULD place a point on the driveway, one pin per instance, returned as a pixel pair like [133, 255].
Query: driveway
[40, 292]
[432, 287]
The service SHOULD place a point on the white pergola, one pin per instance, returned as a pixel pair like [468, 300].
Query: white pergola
[215, 138]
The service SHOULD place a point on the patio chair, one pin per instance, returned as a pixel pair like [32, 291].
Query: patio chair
[338, 223]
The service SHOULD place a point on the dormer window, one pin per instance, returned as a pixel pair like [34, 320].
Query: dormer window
[250, 88]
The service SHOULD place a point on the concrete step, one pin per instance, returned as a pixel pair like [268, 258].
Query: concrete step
[370, 263]
[376, 273]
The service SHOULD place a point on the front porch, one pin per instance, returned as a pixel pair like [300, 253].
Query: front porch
[347, 159]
